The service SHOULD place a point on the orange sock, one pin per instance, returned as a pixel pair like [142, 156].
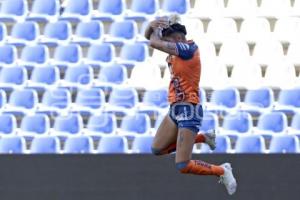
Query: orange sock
[172, 147]
[200, 168]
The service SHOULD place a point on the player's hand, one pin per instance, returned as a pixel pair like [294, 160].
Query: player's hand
[160, 23]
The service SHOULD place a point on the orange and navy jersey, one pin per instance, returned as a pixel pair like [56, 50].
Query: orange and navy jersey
[185, 72]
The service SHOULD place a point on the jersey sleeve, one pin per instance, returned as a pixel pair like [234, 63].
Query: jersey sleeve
[186, 51]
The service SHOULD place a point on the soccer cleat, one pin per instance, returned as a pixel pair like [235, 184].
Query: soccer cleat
[228, 179]
[210, 139]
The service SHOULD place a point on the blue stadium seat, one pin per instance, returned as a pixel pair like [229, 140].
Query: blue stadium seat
[289, 101]
[24, 33]
[3, 99]
[44, 77]
[76, 11]
[202, 96]
[12, 145]
[122, 32]
[122, 101]
[12, 77]
[32, 125]
[223, 145]
[88, 33]
[45, 145]
[158, 121]
[224, 101]
[13, 10]
[179, 6]
[55, 101]
[111, 76]
[155, 102]
[100, 55]
[44, 11]
[22, 102]
[102, 124]
[89, 101]
[68, 125]
[136, 124]
[3, 32]
[56, 33]
[284, 144]
[67, 55]
[142, 10]
[250, 144]
[295, 125]
[238, 123]
[209, 122]
[32, 56]
[8, 54]
[132, 54]
[142, 144]
[258, 101]
[78, 144]
[78, 76]
[271, 123]
[112, 144]
[109, 10]
[8, 124]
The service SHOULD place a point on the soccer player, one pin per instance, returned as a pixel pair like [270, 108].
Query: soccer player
[179, 129]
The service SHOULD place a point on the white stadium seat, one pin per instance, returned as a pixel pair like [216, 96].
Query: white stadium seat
[207, 9]
[254, 29]
[287, 29]
[213, 75]
[238, 9]
[274, 9]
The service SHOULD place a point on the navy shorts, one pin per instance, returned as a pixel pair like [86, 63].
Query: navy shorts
[187, 115]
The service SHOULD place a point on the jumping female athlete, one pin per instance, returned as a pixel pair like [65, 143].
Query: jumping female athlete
[179, 129]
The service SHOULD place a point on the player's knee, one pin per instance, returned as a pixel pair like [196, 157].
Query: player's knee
[182, 167]
[155, 151]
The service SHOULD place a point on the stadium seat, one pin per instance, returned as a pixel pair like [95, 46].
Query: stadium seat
[32, 125]
[292, 54]
[8, 54]
[55, 101]
[284, 144]
[280, 75]
[271, 123]
[132, 54]
[112, 145]
[122, 100]
[22, 102]
[295, 124]
[45, 145]
[109, 10]
[3, 99]
[288, 101]
[68, 125]
[203, 97]
[56, 33]
[246, 75]
[208, 52]
[159, 58]
[240, 9]
[101, 124]
[136, 124]
[287, 29]
[12, 145]
[8, 124]
[154, 102]
[88, 101]
[13, 10]
[157, 123]
[142, 144]
[258, 101]
[87, 33]
[223, 145]
[65, 55]
[194, 28]
[111, 76]
[250, 144]
[12, 77]
[78, 145]
[224, 101]
[122, 32]
[24, 33]
[274, 9]
[255, 29]
[99, 55]
[221, 29]
[76, 11]
[142, 10]
[3, 32]
[78, 76]
[295, 9]
[180, 6]
[207, 9]
[32, 56]
[209, 122]
[44, 77]
[44, 11]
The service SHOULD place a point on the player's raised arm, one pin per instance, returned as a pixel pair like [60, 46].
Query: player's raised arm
[157, 42]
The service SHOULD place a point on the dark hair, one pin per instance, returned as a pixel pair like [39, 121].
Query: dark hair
[174, 28]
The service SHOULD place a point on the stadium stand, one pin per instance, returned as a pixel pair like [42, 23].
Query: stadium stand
[12, 145]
